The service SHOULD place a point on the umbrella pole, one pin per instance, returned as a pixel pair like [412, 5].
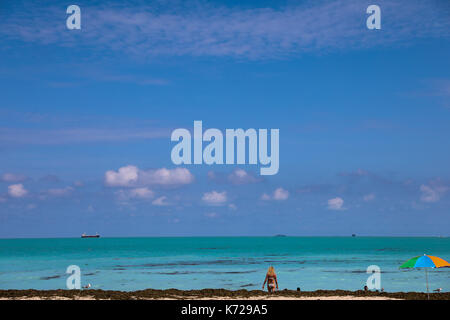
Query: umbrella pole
[426, 276]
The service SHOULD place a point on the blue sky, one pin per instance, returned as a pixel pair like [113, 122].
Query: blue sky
[86, 117]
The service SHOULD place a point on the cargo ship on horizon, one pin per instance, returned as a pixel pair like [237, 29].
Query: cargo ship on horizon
[84, 235]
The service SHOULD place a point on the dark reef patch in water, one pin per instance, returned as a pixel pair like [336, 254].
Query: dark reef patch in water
[248, 261]
[51, 277]
[354, 271]
[232, 272]
[241, 261]
[201, 272]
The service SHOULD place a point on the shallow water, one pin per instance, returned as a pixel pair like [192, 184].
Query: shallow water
[310, 263]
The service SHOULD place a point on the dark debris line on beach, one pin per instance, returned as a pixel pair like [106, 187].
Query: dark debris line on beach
[210, 293]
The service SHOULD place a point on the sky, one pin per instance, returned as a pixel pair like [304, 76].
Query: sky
[86, 117]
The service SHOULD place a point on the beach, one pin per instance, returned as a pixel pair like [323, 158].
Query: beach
[213, 294]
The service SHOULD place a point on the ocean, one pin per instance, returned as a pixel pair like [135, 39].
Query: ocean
[309, 263]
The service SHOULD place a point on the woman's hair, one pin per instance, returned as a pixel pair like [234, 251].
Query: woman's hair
[271, 271]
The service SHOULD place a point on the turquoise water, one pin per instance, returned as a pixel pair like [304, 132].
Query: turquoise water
[232, 263]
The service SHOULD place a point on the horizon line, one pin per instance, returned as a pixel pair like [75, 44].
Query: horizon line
[241, 236]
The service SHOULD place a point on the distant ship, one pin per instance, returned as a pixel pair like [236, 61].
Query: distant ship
[84, 235]
[353, 235]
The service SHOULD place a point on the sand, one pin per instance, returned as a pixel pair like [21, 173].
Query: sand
[256, 298]
[213, 294]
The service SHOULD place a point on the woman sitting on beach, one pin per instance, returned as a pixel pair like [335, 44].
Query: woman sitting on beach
[271, 279]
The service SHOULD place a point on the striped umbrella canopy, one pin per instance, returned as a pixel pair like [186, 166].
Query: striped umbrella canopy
[425, 262]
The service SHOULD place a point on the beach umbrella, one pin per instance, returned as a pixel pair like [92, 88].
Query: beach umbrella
[425, 262]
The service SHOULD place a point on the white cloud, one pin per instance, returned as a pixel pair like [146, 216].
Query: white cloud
[161, 201]
[17, 190]
[11, 177]
[240, 176]
[143, 193]
[136, 193]
[369, 197]
[432, 192]
[59, 192]
[336, 204]
[124, 177]
[129, 176]
[279, 194]
[76, 135]
[221, 31]
[357, 173]
[215, 198]
[265, 197]
[167, 177]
